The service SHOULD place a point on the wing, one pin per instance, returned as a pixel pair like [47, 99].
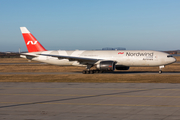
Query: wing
[28, 55]
[81, 60]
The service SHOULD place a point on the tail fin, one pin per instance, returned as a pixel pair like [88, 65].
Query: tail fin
[31, 42]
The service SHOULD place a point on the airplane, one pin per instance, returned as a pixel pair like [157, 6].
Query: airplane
[101, 60]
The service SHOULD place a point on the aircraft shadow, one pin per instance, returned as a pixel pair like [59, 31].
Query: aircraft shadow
[143, 72]
[137, 72]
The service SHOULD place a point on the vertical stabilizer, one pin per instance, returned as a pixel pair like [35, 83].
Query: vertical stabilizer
[31, 42]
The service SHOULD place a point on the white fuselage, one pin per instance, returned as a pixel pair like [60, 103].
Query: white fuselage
[126, 58]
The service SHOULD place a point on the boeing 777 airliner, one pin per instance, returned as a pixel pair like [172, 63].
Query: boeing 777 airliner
[101, 60]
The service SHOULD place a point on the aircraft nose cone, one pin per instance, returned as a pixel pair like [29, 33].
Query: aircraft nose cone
[171, 60]
[174, 60]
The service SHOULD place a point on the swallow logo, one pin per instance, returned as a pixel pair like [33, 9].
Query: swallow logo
[120, 52]
[31, 42]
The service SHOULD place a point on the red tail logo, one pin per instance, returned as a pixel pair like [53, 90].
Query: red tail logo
[31, 42]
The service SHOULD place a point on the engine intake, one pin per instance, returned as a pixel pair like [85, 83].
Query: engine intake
[106, 66]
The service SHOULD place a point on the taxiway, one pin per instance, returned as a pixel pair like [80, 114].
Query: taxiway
[89, 101]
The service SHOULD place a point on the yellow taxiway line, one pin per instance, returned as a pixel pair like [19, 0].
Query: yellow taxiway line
[100, 95]
[89, 104]
[94, 89]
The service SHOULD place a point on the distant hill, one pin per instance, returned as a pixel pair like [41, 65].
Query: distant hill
[9, 55]
[173, 52]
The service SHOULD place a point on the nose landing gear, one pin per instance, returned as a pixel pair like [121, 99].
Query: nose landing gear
[160, 69]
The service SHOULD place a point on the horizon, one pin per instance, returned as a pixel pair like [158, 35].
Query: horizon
[92, 50]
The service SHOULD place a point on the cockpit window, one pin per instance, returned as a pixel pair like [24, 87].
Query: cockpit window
[169, 56]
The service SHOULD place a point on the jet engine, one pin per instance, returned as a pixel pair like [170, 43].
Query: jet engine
[122, 67]
[106, 66]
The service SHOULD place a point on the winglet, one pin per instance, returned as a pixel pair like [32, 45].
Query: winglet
[31, 42]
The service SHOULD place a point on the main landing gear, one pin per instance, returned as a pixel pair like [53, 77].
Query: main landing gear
[88, 71]
[160, 69]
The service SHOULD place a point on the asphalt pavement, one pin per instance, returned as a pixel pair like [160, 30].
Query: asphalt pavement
[89, 101]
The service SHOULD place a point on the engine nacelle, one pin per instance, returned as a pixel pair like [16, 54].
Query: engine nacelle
[121, 67]
[106, 66]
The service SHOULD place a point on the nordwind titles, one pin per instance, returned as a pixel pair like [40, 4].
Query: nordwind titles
[139, 54]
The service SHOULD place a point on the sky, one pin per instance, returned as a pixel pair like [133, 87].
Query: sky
[91, 24]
